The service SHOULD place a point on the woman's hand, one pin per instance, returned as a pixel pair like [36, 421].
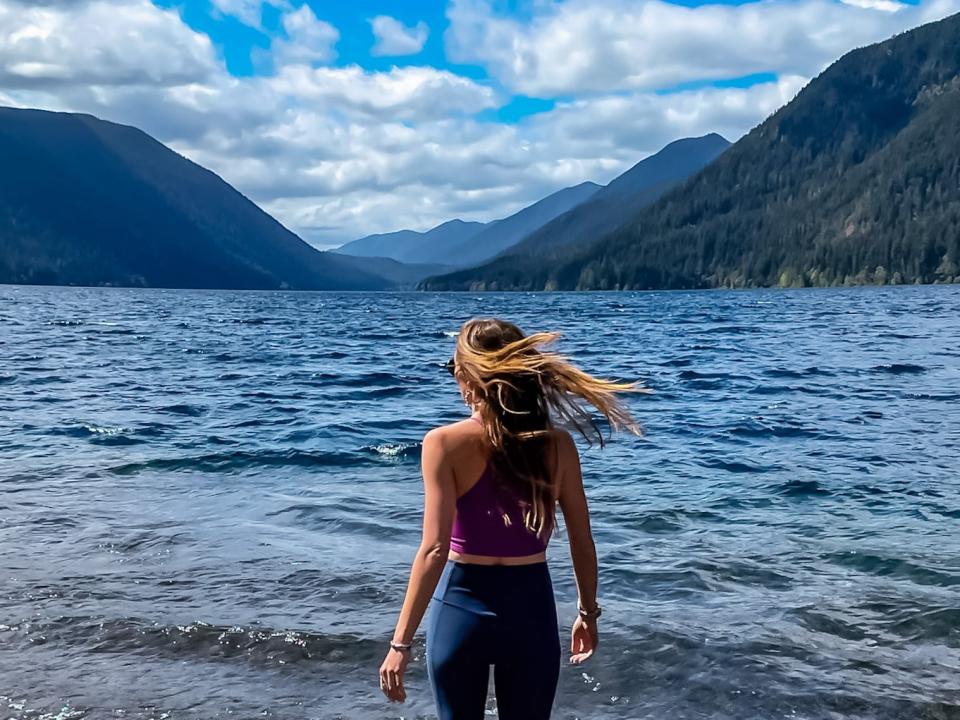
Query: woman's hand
[584, 640]
[391, 674]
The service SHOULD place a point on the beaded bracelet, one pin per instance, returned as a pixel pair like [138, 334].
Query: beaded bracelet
[590, 614]
[400, 647]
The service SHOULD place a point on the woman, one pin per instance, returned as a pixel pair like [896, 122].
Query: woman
[491, 485]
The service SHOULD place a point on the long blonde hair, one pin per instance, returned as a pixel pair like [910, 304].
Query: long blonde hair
[520, 388]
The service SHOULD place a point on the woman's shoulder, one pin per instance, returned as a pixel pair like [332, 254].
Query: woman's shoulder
[565, 449]
[454, 434]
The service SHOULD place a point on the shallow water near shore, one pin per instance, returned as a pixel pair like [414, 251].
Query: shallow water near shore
[209, 500]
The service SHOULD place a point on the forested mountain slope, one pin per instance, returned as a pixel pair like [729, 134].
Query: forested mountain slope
[89, 202]
[855, 181]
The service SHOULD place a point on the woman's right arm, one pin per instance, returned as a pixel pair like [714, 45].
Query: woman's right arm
[576, 517]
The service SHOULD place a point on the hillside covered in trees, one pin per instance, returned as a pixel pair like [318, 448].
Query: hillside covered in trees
[89, 202]
[856, 181]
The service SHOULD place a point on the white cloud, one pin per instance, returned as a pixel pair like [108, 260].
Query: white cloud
[581, 46]
[308, 39]
[99, 43]
[249, 12]
[394, 38]
[885, 5]
[408, 93]
[621, 126]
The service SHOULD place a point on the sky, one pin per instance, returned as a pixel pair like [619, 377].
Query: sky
[345, 118]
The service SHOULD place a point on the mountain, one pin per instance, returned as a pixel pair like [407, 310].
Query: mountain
[604, 210]
[639, 186]
[583, 211]
[410, 246]
[853, 182]
[458, 243]
[89, 202]
[505, 233]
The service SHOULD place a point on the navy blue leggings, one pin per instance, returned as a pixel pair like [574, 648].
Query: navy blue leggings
[499, 615]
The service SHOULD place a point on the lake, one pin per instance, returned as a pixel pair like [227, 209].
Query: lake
[209, 500]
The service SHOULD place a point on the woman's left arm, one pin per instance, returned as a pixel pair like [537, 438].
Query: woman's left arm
[439, 506]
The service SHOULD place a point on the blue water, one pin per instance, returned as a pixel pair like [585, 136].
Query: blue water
[209, 500]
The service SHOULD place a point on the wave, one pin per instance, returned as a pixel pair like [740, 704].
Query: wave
[932, 624]
[113, 434]
[398, 451]
[736, 466]
[239, 460]
[741, 572]
[802, 488]
[900, 369]
[940, 397]
[732, 330]
[182, 409]
[758, 429]
[259, 321]
[812, 371]
[698, 375]
[243, 460]
[885, 566]
[790, 389]
[259, 645]
[370, 379]
[116, 331]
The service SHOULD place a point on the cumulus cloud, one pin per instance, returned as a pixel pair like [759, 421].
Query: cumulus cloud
[885, 5]
[409, 93]
[621, 125]
[99, 43]
[308, 39]
[581, 46]
[394, 38]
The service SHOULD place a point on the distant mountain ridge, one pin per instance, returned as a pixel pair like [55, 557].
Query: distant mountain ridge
[503, 234]
[639, 186]
[459, 243]
[411, 246]
[84, 201]
[565, 216]
[855, 181]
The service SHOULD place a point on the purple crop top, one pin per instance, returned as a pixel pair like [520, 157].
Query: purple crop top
[479, 527]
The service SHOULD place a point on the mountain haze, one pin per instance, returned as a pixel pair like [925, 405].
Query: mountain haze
[855, 181]
[89, 202]
[458, 243]
[503, 234]
[410, 246]
[400, 275]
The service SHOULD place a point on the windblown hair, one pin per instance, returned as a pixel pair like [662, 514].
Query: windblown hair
[520, 388]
